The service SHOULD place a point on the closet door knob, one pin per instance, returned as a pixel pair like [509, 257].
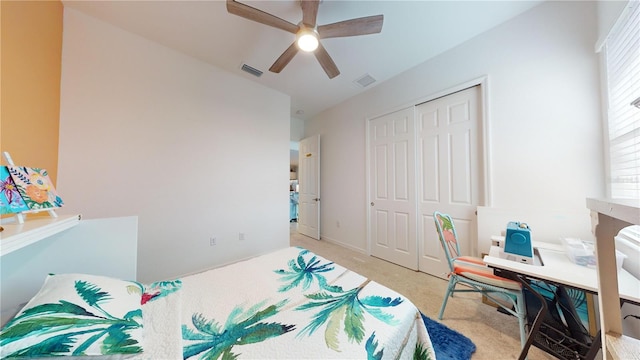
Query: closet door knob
[373, 204]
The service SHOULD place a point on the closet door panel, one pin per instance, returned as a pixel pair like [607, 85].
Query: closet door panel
[392, 209]
[448, 173]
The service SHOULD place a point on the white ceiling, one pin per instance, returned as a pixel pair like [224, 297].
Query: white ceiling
[413, 32]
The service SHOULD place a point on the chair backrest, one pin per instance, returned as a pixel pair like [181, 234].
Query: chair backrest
[448, 236]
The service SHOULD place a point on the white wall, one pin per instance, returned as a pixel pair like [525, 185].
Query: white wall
[544, 124]
[297, 129]
[608, 12]
[192, 150]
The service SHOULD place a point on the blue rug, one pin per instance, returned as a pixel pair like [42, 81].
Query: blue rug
[448, 344]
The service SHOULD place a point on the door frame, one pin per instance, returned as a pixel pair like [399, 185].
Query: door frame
[486, 194]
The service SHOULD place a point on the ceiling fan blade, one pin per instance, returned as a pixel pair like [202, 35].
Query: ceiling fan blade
[353, 27]
[284, 59]
[260, 16]
[326, 62]
[310, 12]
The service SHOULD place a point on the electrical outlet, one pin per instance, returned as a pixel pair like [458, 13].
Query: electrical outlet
[241, 236]
[212, 241]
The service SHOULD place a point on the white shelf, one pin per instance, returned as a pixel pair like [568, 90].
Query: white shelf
[15, 236]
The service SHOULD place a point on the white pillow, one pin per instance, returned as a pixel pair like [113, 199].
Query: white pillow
[77, 315]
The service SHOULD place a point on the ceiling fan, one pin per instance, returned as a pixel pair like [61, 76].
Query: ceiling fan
[308, 33]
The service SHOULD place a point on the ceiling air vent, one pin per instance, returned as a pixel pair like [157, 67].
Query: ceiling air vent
[365, 80]
[251, 70]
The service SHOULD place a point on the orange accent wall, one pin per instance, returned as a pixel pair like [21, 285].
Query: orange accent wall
[30, 67]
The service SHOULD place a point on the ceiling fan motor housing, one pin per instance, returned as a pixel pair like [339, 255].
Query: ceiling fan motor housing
[307, 38]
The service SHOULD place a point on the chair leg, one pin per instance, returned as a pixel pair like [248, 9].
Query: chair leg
[450, 287]
[522, 315]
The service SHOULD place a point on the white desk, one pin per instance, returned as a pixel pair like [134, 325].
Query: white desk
[557, 268]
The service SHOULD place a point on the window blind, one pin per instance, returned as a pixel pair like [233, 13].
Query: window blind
[622, 56]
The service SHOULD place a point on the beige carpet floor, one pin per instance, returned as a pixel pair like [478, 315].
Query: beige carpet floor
[495, 334]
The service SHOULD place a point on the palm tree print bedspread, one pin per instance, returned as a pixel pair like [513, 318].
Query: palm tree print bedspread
[289, 304]
[294, 304]
[72, 317]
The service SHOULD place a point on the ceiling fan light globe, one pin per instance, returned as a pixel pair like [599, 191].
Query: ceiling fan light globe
[307, 41]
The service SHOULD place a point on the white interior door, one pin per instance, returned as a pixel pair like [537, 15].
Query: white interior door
[392, 212]
[448, 172]
[309, 183]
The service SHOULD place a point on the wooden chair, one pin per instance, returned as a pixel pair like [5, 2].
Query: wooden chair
[472, 271]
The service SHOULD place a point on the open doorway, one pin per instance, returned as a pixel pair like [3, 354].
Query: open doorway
[296, 134]
[294, 147]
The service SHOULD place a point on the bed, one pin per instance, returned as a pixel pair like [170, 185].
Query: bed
[288, 304]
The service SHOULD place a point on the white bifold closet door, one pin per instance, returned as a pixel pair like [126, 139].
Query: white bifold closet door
[449, 156]
[424, 159]
[392, 195]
